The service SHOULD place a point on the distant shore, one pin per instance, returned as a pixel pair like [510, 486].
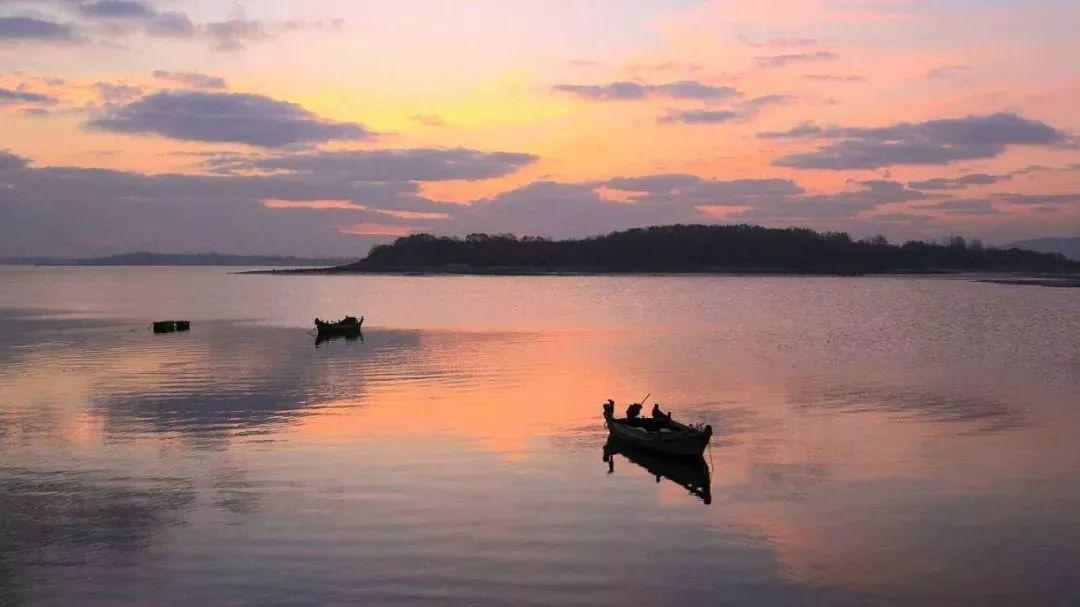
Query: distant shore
[461, 270]
[176, 259]
[1066, 282]
[1011, 278]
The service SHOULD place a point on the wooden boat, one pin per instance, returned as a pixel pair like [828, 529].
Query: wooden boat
[662, 435]
[349, 325]
[692, 473]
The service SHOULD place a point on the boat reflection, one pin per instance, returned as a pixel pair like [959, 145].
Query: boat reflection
[323, 338]
[692, 473]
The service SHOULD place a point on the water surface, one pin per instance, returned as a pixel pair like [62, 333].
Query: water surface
[879, 440]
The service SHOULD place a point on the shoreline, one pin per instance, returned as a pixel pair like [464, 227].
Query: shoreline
[996, 277]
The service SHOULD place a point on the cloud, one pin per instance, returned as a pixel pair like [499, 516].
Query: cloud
[699, 116]
[170, 24]
[192, 79]
[868, 196]
[789, 58]
[672, 188]
[741, 111]
[230, 35]
[32, 29]
[577, 209]
[835, 77]
[225, 117]
[110, 9]
[932, 142]
[548, 208]
[67, 210]
[612, 91]
[690, 89]
[1066, 198]
[9, 96]
[164, 24]
[955, 183]
[965, 206]
[121, 16]
[112, 92]
[9, 161]
[756, 103]
[623, 91]
[417, 164]
[654, 184]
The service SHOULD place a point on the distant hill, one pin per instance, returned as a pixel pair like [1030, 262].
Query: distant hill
[696, 248]
[1069, 247]
[143, 258]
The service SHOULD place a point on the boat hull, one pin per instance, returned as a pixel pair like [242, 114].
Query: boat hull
[338, 329]
[350, 328]
[670, 438]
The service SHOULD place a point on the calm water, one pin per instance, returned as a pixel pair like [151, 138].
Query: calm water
[891, 441]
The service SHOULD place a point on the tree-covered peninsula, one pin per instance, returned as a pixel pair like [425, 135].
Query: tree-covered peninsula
[697, 248]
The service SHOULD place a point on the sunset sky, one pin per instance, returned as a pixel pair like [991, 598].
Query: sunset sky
[303, 128]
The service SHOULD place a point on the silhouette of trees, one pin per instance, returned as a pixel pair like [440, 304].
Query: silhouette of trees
[702, 248]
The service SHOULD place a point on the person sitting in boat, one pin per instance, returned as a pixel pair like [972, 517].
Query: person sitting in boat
[658, 414]
[633, 411]
[609, 409]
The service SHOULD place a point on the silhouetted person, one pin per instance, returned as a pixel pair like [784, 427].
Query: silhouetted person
[658, 414]
[609, 409]
[633, 411]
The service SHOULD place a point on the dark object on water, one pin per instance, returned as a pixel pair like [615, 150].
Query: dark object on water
[660, 435]
[323, 338]
[349, 325]
[692, 473]
[168, 326]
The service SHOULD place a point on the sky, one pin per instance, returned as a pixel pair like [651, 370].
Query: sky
[320, 129]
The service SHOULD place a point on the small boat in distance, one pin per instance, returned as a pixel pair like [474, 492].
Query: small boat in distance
[168, 326]
[349, 325]
[660, 434]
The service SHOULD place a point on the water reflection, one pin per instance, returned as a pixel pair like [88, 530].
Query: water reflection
[692, 473]
[874, 442]
[323, 338]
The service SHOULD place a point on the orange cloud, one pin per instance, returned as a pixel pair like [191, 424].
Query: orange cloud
[344, 205]
[374, 229]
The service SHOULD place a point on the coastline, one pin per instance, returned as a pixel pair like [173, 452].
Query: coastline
[1019, 278]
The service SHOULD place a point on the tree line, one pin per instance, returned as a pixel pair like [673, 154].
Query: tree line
[702, 248]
